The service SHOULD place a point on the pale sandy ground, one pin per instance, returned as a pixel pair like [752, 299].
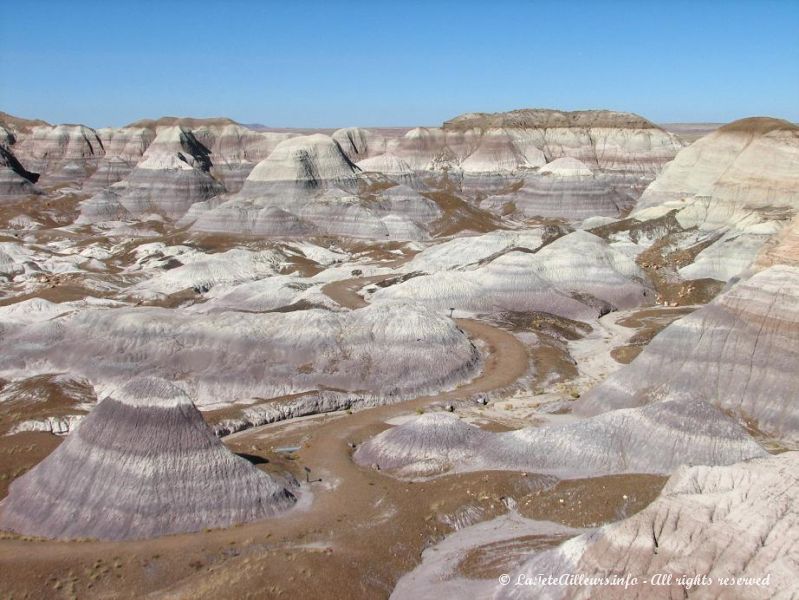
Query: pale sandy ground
[479, 550]
[592, 353]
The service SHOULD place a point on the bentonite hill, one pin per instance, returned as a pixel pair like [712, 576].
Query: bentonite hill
[399, 362]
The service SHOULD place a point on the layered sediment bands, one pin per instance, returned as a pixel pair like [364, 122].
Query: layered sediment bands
[300, 165]
[389, 164]
[60, 154]
[653, 439]
[540, 163]
[737, 186]
[240, 216]
[235, 150]
[605, 140]
[123, 149]
[505, 150]
[232, 150]
[387, 350]
[751, 161]
[498, 152]
[142, 464]
[566, 194]
[588, 166]
[739, 352]
[173, 175]
[299, 171]
[576, 276]
[719, 521]
[309, 186]
[397, 213]
[359, 144]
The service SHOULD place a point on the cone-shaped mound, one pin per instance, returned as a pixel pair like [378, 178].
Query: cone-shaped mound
[143, 463]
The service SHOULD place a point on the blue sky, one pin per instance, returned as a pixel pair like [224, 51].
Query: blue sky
[331, 64]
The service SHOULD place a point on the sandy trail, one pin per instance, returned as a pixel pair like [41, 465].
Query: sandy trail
[345, 291]
[592, 352]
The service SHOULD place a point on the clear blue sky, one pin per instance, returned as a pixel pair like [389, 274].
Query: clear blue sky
[330, 64]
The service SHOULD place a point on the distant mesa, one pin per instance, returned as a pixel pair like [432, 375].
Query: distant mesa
[142, 464]
[188, 122]
[543, 118]
[19, 123]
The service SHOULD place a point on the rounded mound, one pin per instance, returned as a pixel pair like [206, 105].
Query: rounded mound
[428, 444]
[566, 167]
[140, 468]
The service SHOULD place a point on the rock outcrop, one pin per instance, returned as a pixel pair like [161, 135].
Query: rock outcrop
[469, 251]
[309, 186]
[15, 180]
[64, 154]
[735, 525]
[124, 148]
[734, 188]
[359, 144]
[173, 174]
[235, 150]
